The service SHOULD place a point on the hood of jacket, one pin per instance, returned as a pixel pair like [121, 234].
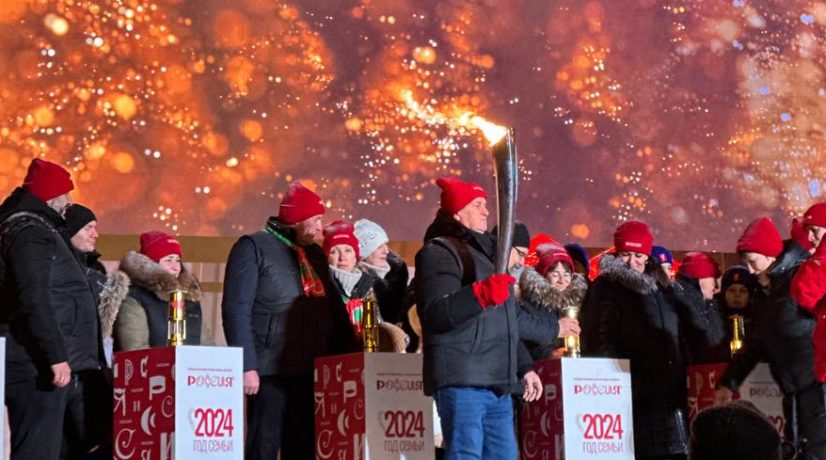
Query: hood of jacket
[144, 272]
[537, 290]
[445, 225]
[21, 200]
[614, 269]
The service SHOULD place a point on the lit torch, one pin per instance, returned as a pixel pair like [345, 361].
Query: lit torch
[503, 142]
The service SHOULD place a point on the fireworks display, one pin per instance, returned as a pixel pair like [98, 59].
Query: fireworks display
[193, 115]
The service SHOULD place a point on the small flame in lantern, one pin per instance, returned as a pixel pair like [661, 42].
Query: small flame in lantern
[492, 132]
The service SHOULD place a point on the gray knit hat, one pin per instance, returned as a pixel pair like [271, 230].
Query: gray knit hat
[370, 236]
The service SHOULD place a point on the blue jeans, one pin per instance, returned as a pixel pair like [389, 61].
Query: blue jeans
[476, 424]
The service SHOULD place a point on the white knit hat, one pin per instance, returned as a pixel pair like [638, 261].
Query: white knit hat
[370, 236]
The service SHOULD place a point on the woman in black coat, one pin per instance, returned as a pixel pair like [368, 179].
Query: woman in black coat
[628, 315]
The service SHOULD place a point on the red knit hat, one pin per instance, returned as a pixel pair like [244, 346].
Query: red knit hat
[815, 215]
[532, 258]
[549, 254]
[762, 237]
[47, 180]
[157, 245]
[800, 235]
[633, 236]
[699, 265]
[456, 193]
[340, 232]
[299, 204]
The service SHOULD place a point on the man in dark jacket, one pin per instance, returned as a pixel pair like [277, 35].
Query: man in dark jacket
[472, 358]
[280, 305]
[782, 336]
[48, 313]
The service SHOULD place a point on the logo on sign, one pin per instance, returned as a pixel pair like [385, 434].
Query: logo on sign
[596, 389]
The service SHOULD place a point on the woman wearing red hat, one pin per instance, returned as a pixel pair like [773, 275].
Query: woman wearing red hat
[628, 314]
[782, 337]
[154, 272]
[553, 286]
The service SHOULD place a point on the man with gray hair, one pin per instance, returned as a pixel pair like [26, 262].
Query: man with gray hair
[48, 312]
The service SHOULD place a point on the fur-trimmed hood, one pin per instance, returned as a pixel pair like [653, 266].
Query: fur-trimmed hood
[537, 290]
[146, 273]
[614, 269]
[114, 292]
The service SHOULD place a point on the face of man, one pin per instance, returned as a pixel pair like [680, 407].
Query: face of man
[307, 231]
[635, 260]
[756, 263]
[475, 215]
[61, 203]
[517, 257]
[86, 238]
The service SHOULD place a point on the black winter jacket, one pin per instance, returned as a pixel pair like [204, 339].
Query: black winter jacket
[265, 311]
[781, 332]
[48, 312]
[464, 345]
[701, 315]
[629, 315]
[390, 290]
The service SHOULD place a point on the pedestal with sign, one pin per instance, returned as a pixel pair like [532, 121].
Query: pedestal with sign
[371, 406]
[179, 403]
[584, 413]
[759, 388]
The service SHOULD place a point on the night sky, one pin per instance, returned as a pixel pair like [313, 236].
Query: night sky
[193, 115]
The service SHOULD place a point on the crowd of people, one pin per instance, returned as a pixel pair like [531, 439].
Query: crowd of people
[288, 299]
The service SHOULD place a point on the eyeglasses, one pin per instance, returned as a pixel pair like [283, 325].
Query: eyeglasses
[560, 275]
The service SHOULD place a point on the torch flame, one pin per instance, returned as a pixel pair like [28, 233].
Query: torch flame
[492, 132]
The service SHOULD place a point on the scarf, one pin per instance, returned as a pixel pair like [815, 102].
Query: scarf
[348, 280]
[310, 281]
[381, 272]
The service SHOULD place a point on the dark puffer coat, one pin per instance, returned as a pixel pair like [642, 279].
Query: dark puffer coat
[629, 315]
[390, 290]
[48, 312]
[464, 345]
[712, 347]
[782, 331]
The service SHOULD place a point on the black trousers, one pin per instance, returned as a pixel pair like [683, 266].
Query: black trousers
[88, 421]
[35, 420]
[811, 420]
[281, 416]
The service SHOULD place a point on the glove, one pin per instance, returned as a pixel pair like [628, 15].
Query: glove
[494, 290]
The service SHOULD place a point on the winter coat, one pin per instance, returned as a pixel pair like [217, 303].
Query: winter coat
[711, 347]
[265, 311]
[142, 320]
[464, 344]
[538, 291]
[390, 289]
[629, 315]
[782, 333]
[809, 290]
[48, 312]
[110, 290]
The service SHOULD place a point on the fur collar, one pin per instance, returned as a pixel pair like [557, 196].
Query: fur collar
[612, 268]
[537, 290]
[146, 273]
[114, 293]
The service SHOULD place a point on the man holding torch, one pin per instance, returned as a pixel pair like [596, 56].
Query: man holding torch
[472, 357]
